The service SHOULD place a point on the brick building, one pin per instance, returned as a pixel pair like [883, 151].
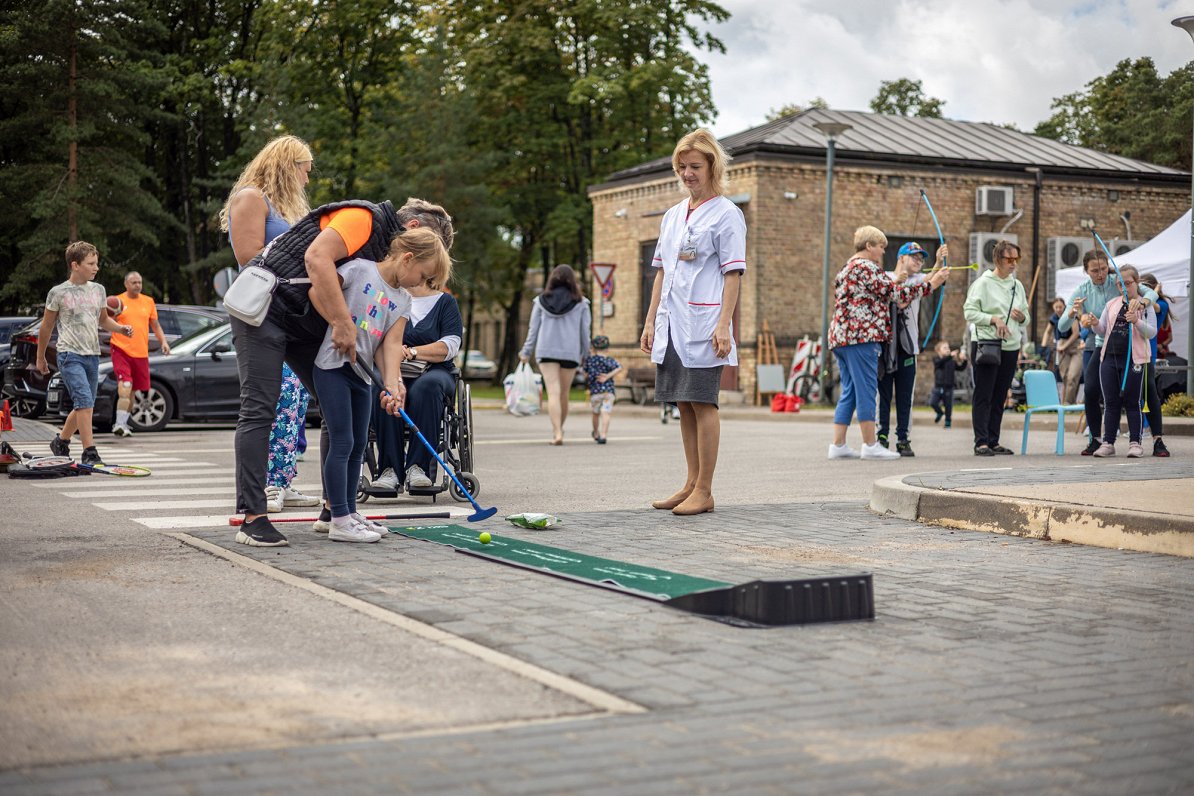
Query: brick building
[985, 183]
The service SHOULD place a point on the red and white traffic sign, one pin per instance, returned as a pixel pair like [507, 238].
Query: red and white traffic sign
[602, 272]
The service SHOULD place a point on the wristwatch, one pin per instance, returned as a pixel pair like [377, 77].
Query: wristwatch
[414, 353]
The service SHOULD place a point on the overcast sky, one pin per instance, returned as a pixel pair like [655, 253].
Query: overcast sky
[990, 60]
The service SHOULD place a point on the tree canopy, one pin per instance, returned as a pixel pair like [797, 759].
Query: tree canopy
[906, 97]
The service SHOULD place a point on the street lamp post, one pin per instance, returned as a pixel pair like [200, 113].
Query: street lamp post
[831, 130]
[1187, 24]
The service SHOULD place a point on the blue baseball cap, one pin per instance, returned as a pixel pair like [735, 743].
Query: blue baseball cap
[912, 247]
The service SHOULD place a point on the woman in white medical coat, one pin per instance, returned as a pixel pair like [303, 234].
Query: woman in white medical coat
[699, 259]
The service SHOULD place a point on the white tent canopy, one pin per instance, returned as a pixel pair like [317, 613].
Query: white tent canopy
[1167, 257]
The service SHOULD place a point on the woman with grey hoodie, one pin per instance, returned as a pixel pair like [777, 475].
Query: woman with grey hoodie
[559, 336]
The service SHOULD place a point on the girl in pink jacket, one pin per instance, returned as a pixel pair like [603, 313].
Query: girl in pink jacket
[1126, 328]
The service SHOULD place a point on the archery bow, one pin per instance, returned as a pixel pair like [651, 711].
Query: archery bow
[944, 262]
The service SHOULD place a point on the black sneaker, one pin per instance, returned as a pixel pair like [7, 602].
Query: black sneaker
[948, 424]
[937, 419]
[91, 457]
[1091, 447]
[883, 440]
[1159, 449]
[260, 533]
[904, 449]
[983, 450]
[59, 446]
[1002, 451]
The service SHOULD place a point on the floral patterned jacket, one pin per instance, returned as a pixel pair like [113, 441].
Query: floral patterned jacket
[863, 293]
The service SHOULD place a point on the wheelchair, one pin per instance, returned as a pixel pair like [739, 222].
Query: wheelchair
[456, 449]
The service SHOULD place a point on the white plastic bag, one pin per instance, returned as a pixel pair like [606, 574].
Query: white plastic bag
[524, 391]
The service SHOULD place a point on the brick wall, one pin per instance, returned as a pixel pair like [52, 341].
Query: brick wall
[785, 238]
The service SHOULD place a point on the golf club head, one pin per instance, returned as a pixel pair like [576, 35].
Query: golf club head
[482, 514]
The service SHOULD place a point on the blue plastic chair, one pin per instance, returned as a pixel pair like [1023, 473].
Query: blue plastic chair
[1040, 388]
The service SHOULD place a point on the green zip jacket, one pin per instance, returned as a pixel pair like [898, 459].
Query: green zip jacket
[990, 296]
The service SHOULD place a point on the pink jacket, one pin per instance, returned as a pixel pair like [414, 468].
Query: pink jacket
[1142, 331]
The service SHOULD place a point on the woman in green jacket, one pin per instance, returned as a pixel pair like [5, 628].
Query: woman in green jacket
[997, 309]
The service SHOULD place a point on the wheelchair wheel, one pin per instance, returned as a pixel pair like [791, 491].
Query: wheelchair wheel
[465, 403]
[363, 489]
[470, 483]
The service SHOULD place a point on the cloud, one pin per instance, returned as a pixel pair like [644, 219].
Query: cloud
[997, 61]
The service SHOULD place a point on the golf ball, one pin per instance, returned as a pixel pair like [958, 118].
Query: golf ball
[485, 538]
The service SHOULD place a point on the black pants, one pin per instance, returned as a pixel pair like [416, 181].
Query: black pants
[991, 383]
[1111, 371]
[260, 352]
[426, 399]
[942, 400]
[1152, 398]
[903, 381]
[1093, 391]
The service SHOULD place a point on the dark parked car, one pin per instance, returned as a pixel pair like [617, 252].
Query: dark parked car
[26, 388]
[197, 381]
[8, 327]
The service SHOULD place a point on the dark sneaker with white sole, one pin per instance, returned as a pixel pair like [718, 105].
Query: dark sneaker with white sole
[91, 457]
[59, 447]
[904, 449]
[260, 533]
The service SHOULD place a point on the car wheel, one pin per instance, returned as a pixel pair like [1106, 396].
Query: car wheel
[152, 408]
[27, 407]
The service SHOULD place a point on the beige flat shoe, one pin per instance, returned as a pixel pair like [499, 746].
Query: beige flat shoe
[690, 507]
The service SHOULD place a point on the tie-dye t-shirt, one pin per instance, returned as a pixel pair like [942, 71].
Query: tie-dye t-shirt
[78, 308]
[374, 307]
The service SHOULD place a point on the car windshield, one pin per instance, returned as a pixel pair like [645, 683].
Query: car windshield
[191, 344]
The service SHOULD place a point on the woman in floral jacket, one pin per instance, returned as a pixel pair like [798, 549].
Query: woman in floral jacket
[861, 321]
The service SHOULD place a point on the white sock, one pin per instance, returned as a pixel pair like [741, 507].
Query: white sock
[122, 417]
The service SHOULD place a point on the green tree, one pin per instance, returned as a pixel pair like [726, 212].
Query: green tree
[78, 83]
[792, 108]
[569, 93]
[905, 97]
[1130, 111]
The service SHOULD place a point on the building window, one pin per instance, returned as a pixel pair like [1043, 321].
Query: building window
[646, 253]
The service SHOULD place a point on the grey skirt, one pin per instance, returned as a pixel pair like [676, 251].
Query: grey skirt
[675, 383]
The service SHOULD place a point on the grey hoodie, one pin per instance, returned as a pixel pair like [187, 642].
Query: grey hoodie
[559, 328]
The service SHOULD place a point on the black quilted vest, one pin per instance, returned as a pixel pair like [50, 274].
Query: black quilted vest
[291, 308]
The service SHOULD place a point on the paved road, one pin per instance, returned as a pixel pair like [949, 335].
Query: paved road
[137, 660]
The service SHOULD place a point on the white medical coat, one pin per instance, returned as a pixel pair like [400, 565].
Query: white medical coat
[690, 302]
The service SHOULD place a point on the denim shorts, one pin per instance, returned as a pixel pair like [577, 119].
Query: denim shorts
[80, 374]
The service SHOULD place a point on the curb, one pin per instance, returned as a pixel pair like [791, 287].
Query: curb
[1142, 531]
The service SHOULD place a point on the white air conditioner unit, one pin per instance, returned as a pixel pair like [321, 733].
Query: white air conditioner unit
[1063, 252]
[993, 200]
[1120, 246]
[982, 250]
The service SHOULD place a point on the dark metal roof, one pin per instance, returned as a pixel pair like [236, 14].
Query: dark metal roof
[911, 140]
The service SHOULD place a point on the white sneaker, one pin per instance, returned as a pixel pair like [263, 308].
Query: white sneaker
[324, 523]
[295, 498]
[842, 451]
[877, 451]
[273, 499]
[415, 477]
[376, 527]
[1135, 450]
[352, 532]
[122, 431]
[1105, 450]
[388, 480]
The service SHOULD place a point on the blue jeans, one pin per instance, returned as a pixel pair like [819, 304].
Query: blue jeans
[346, 401]
[859, 366]
[80, 374]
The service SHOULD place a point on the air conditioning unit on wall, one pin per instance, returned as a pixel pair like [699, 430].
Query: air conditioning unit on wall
[993, 200]
[982, 250]
[1120, 246]
[1063, 252]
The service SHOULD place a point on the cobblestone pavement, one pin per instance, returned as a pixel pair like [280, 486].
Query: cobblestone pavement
[995, 664]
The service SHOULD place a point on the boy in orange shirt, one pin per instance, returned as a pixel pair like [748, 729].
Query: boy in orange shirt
[130, 355]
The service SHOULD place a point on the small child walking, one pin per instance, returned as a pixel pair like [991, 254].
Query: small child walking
[78, 307]
[946, 364]
[600, 371]
[380, 306]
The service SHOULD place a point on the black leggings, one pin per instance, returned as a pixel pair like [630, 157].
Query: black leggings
[1111, 372]
[991, 383]
[1152, 398]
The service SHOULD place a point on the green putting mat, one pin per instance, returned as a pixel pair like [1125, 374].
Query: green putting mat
[656, 584]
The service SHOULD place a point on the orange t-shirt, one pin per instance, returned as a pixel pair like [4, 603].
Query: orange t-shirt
[138, 312]
[354, 224]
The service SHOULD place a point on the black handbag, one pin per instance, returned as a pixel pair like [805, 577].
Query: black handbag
[990, 352]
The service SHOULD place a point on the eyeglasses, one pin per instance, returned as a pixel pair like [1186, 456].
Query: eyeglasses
[1010, 259]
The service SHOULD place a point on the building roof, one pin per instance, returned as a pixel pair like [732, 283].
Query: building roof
[912, 140]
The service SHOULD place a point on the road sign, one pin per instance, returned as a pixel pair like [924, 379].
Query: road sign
[223, 280]
[602, 271]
